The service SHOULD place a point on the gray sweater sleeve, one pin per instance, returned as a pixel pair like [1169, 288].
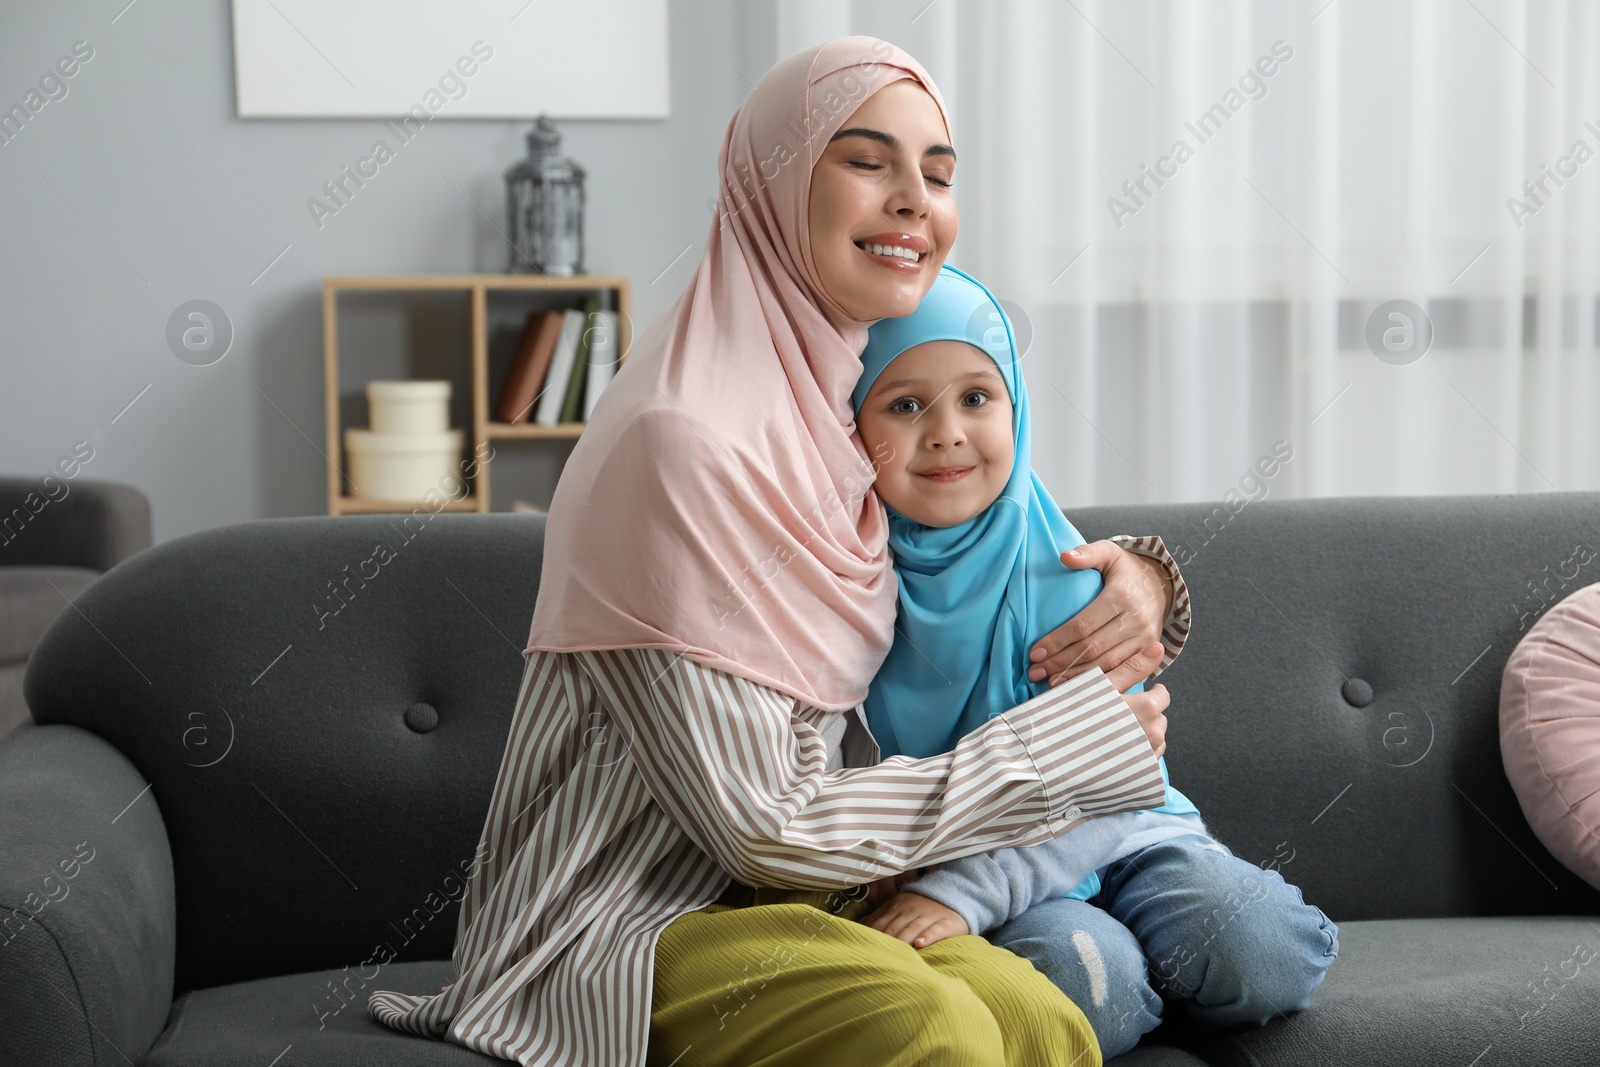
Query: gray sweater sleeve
[991, 888]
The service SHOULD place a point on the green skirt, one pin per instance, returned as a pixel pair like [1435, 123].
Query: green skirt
[779, 977]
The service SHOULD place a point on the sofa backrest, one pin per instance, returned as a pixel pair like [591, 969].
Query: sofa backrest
[1335, 711]
[321, 706]
[58, 521]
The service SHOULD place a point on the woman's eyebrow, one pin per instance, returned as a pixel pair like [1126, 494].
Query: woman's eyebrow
[890, 141]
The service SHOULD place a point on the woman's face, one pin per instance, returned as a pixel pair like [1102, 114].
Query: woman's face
[884, 181]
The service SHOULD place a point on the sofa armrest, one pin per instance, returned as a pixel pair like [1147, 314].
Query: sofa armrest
[54, 521]
[88, 917]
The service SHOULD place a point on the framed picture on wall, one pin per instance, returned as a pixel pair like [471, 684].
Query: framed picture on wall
[504, 59]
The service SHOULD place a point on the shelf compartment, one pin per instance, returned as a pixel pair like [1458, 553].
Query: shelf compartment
[495, 304]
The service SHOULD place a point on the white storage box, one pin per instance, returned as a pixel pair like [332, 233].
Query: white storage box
[408, 406]
[403, 466]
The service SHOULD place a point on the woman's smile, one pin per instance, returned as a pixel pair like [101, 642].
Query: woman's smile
[903, 252]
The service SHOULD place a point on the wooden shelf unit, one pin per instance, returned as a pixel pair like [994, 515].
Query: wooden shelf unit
[476, 288]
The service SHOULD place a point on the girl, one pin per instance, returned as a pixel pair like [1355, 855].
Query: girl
[1111, 911]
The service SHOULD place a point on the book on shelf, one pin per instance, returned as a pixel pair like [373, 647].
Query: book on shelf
[528, 367]
[572, 406]
[602, 359]
[554, 394]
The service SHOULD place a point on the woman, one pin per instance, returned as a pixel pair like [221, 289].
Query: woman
[715, 590]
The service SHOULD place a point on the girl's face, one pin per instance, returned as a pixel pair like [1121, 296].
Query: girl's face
[938, 425]
[884, 180]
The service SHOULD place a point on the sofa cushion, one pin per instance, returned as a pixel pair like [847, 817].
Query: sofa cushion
[321, 1015]
[1335, 713]
[1427, 992]
[264, 678]
[1550, 730]
[30, 598]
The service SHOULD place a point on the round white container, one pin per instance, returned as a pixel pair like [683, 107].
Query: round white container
[408, 406]
[404, 466]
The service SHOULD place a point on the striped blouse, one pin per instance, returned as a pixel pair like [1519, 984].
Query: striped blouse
[636, 784]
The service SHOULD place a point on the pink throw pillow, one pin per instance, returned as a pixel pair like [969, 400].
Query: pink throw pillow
[1550, 730]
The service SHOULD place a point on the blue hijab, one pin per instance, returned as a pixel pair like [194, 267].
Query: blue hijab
[974, 597]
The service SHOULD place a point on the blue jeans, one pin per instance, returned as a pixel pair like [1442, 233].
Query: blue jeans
[1182, 921]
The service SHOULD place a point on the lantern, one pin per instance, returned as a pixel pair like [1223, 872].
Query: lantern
[544, 203]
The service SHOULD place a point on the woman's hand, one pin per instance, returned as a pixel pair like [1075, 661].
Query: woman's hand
[917, 920]
[1150, 707]
[1120, 630]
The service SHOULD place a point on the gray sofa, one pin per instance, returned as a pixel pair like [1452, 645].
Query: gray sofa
[57, 535]
[241, 790]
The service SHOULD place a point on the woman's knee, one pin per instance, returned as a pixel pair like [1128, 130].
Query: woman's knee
[945, 1022]
[845, 992]
[918, 1016]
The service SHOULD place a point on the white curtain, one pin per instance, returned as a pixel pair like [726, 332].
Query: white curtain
[1203, 210]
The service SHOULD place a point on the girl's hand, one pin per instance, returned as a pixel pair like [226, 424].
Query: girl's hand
[1120, 630]
[917, 920]
[1149, 707]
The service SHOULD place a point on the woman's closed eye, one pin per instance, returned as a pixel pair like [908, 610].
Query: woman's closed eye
[879, 166]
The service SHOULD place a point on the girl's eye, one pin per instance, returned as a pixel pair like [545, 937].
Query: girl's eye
[979, 395]
[904, 406]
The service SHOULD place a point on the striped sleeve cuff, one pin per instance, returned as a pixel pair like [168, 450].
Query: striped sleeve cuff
[1176, 629]
[1089, 750]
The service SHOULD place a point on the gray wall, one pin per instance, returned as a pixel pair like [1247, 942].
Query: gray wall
[139, 190]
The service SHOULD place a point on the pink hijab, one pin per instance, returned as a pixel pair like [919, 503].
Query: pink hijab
[719, 503]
